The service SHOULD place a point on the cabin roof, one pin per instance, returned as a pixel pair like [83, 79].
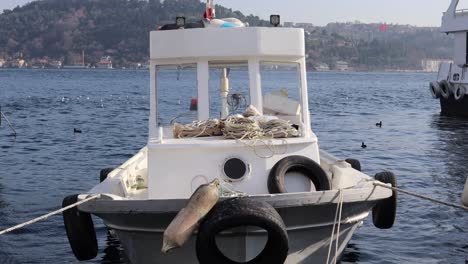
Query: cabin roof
[227, 44]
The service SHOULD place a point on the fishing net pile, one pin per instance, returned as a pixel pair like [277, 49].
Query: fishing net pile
[248, 126]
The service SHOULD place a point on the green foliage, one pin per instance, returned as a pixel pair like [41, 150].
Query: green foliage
[61, 29]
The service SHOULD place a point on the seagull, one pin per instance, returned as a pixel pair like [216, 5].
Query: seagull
[379, 124]
[363, 145]
[76, 130]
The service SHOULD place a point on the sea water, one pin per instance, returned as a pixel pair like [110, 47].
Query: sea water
[48, 161]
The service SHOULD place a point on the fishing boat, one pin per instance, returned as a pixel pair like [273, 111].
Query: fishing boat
[229, 103]
[451, 85]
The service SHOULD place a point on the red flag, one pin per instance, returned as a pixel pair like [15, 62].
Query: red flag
[383, 27]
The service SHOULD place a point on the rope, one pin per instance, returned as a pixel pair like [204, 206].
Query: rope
[8, 122]
[241, 128]
[454, 205]
[211, 127]
[279, 128]
[49, 215]
[339, 209]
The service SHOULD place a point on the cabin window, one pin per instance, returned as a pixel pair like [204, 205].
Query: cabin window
[228, 88]
[177, 94]
[281, 91]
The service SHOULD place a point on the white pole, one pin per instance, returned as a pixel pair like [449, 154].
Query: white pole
[255, 85]
[224, 90]
[203, 91]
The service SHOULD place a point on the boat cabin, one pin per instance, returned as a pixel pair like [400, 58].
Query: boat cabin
[201, 76]
[455, 21]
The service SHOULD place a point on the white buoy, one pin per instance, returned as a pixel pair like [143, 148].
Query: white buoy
[465, 194]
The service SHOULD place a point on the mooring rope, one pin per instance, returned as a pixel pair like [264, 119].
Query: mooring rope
[339, 209]
[8, 122]
[454, 205]
[49, 215]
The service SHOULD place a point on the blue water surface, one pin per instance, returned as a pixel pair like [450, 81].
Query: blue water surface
[48, 161]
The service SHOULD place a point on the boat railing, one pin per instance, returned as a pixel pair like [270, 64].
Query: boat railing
[461, 12]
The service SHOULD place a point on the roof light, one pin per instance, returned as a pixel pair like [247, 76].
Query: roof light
[275, 20]
[180, 22]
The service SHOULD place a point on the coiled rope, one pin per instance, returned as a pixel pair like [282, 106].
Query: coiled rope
[210, 127]
[49, 215]
[427, 198]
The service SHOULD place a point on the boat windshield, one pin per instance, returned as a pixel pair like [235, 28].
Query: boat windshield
[229, 94]
[281, 90]
[229, 88]
[177, 94]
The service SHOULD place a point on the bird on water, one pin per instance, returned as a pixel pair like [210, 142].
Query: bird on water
[77, 131]
[379, 124]
[363, 145]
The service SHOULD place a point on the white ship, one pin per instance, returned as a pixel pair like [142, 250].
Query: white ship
[451, 85]
[290, 191]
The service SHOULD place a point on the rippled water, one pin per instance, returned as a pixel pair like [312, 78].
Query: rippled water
[47, 161]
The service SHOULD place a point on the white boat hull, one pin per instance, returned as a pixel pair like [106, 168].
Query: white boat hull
[306, 246]
[309, 227]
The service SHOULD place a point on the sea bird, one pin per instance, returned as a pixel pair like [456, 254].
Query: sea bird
[76, 130]
[363, 145]
[379, 124]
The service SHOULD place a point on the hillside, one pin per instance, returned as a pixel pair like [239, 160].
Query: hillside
[62, 29]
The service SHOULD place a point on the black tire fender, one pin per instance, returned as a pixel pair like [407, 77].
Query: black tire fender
[308, 167]
[80, 231]
[355, 164]
[104, 172]
[384, 212]
[459, 92]
[239, 212]
[434, 88]
[444, 89]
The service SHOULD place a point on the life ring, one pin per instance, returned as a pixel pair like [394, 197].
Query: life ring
[459, 92]
[80, 231]
[355, 164]
[435, 90]
[305, 166]
[384, 212]
[444, 89]
[104, 172]
[241, 212]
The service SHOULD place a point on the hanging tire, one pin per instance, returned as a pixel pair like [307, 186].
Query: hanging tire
[80, 231]
[355, 164]
[384, 212]
[459, 92]
[444, 89]
[104, 172]
[305, 166]
[241, 212]
[434, 88]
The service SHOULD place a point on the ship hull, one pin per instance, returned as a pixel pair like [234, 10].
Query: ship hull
[452, 107]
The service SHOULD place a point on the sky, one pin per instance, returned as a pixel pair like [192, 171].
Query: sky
[321, 12]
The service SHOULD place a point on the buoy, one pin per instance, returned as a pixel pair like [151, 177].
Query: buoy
[465, 194]
[363, 145]
[187, 220]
